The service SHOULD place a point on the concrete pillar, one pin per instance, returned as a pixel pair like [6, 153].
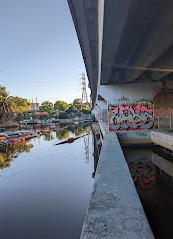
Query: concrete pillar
[97, 112]
[102, 104]
[130, 106]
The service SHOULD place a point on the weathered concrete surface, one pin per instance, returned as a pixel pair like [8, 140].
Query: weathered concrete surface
[163, 164]
[103, 127]
[115, 210]
[135, 137]
[163, 139]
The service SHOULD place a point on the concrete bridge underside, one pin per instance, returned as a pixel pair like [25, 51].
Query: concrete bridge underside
[124, 41]
[127, 47]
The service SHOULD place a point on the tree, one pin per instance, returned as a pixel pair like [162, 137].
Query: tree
[77, 105]
[61, 105]
[6, 105]
[46, 106]
[20, 107]
[41, 115]
[36, 115]
[86, 106]
[44, 115]
[63, 115]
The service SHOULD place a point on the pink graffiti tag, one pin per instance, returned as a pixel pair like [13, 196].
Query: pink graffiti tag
[126, 109]
[129, 117]
[142, 108]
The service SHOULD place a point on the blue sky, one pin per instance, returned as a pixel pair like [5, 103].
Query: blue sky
[39, 50]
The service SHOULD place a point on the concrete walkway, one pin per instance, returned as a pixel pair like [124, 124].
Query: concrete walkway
[115, 210]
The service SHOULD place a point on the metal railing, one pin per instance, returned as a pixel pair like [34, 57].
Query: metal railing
[164, 122]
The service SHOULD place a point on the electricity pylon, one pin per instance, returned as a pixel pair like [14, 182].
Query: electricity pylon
[86, 144]
[84, 93]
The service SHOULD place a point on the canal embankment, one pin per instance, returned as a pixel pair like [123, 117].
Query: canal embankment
[115, 210]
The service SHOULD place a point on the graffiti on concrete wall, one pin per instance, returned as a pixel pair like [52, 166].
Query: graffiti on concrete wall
[136, 116]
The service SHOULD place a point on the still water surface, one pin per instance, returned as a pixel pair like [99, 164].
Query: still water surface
[153, 178]
[45, 189]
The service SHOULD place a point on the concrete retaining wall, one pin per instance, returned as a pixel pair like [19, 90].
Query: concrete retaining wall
[163, 139]
[134, 137]
[115, 210]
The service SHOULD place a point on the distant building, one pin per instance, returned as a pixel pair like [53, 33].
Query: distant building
[34, 107]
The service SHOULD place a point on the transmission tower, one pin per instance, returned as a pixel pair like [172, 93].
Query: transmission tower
[84, 93]
[86, 144]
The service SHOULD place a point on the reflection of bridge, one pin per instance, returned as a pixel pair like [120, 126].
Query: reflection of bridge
[86, 144]
[128, 53]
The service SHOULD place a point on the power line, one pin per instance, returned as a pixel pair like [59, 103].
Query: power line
[31, 84]
[32, 79]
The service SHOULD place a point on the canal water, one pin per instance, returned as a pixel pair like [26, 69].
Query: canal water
[153, 177]
[45, 189]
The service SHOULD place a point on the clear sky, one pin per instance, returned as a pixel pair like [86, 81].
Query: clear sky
[39, 50]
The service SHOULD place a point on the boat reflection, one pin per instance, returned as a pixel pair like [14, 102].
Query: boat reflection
[12, 151]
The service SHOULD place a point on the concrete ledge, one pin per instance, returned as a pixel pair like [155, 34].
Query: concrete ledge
[103, 127]
[163, 139]
[115, 210]
[136, 137]
[163, 164]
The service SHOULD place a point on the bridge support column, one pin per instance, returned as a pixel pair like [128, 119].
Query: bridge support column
[130, 106]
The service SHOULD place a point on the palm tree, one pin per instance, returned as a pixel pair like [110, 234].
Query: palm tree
[6, 105]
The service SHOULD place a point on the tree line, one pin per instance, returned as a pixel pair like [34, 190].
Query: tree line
[63, 106]
[11, 106]
[64, 109]
[15, 107]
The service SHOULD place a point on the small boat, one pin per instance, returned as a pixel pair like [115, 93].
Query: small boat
[2, 130]
[13, 140]
[70, 140]
[3, 137]
[32, 122]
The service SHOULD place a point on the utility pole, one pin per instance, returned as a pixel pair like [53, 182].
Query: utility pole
[84, 93]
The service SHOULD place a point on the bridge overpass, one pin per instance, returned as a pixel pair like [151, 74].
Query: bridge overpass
[127, 47]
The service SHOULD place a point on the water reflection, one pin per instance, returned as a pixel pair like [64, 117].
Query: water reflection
[78, 130]
[62, 130]
[142, 170]
[153, 178]
[48, 137]
[62, 134]
[46, 192]
[11, 151]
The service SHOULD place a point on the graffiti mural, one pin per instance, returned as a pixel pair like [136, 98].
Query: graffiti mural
[136, 116]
